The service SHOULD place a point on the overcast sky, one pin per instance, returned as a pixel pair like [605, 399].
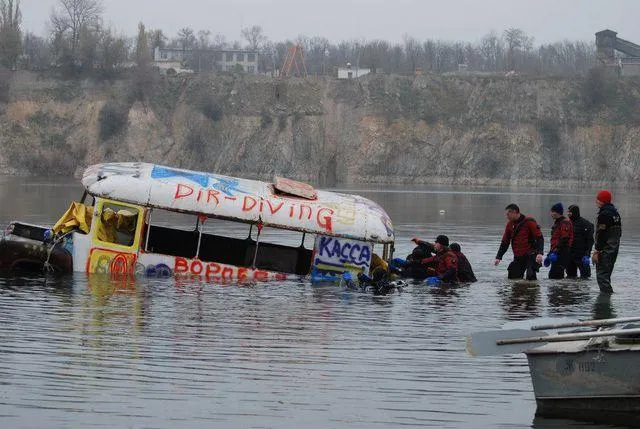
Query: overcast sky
[450, 20]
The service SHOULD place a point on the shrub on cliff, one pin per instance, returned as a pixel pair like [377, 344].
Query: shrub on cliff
[209, 107]
[265, 119]
[143, 84]
[113, 118]
[5, 84]
[597, 89]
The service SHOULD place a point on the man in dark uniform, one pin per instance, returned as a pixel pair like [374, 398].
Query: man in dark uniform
[560, 243]
[524, 235]
[582, 244]
[608, 233]
[465, 272]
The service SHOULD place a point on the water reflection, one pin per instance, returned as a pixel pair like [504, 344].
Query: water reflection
[603, 308]
[565, 294]
[521, 299]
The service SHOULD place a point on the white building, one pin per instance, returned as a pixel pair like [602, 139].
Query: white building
[349, 72]
[206, 60]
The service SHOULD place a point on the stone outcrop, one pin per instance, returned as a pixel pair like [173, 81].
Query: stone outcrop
[469, 129]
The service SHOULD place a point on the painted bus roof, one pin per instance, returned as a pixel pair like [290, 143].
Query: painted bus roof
[243, 200]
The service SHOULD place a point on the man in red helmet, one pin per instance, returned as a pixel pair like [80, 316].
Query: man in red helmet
[608, 233]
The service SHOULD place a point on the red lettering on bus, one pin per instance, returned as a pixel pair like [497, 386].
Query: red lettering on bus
[260, 275]
[213, 194]
[182, 191]
[248, 203]
[325, 220]
[181, 265]
[213, 269]
[196, 267]
[303, 208]
[275, 209]
[227, 273]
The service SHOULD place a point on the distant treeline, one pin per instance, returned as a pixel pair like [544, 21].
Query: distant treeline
[80, 45]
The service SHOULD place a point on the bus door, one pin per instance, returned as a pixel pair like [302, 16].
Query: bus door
[115, 238]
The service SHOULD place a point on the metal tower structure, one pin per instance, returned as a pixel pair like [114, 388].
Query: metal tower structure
[294, 63]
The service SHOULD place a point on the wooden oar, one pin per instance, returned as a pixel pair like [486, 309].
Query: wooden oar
[485, 343]
[516, 340]
[579, 323]
[576, 336]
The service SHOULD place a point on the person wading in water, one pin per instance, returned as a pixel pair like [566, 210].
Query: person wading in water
[524, 235]
[582, 244]
[608, 233]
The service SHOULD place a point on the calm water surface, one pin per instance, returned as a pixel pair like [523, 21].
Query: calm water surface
[82, 352]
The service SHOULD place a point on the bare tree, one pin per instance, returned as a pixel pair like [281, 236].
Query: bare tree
[143, 78]
[204, 39]
[10, 37]
[413, 50]
[491, 51]
[316, 55]
[374, 55]
[219, 41]
[156, 39]
[112, 52]
[186, 38]
[517, 43]
[69, 18]
[143, 56]
[254, 37]
[37, 52]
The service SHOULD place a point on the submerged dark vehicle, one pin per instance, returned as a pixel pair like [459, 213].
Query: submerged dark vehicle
[24, 248]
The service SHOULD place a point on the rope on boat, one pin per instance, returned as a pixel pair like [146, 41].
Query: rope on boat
[47, 265]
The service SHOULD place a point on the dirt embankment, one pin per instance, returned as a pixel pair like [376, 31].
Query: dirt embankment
[386, 129]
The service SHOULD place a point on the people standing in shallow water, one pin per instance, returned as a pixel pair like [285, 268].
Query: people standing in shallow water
[465, 272]
[607, 242]
[582, 244]
[523, 234]
[560, 243]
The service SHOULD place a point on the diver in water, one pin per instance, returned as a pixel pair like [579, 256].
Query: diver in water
[413, 266]
[465, 272]
[380, 282]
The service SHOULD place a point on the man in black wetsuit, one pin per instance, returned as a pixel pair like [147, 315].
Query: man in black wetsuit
[582, 244]
[608, 233]
[465, 272]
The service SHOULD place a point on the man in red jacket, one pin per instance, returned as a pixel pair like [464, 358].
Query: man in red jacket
[446, 263]
[561, 242]
[524, 235]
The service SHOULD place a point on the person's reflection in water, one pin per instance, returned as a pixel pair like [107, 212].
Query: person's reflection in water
[602, 308]
[564, 294]
[521, 300]
[444, 294]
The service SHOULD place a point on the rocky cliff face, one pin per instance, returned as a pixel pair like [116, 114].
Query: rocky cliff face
[386, 129]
